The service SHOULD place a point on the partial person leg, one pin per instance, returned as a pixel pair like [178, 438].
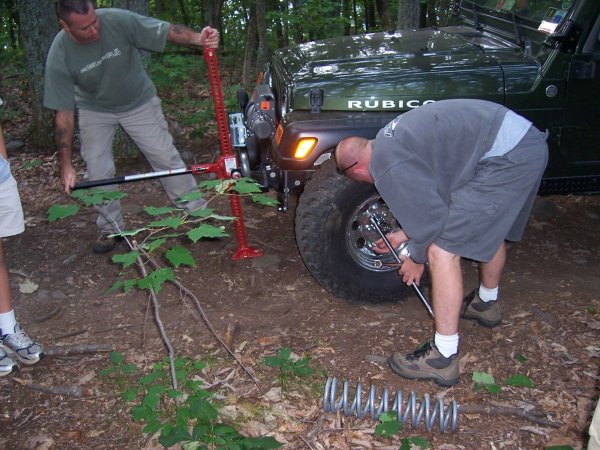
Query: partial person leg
[97, 133]
[12, 338]
[481, 304]
[438, 360]
[148, 128]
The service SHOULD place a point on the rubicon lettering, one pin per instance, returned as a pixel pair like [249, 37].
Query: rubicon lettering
[386, 104]
[107, 55]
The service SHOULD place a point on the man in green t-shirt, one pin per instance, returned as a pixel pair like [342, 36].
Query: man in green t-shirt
[94, 65]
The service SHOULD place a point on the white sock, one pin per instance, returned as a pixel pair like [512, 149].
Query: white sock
[488, 295]
[8, 321]
[447, 345]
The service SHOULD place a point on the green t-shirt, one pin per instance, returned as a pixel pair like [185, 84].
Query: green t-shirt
[106, 75]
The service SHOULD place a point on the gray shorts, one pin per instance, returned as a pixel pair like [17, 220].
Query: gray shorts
[11, 212]
[496, 203]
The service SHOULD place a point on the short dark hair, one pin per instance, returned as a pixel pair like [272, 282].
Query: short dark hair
[68, 7]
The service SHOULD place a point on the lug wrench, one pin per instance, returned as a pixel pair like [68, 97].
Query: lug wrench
[399, 261]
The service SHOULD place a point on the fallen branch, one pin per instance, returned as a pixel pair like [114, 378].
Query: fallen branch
[71, 391]
[507, 411]
[63, 350]
[200, 310]
[51, 314]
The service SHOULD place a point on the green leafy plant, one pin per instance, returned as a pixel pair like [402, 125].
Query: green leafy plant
[188, 415]
[28, 165]
[289, 369]
[410, 443]
[388, 425]
[119, 370]
[487, 381]
[165, 225]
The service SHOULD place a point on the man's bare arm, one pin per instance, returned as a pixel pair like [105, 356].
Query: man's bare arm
[182, 35]
[64, 125]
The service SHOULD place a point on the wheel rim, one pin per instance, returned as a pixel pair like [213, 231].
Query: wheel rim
[360, 235]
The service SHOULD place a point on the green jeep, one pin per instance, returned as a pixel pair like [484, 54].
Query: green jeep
[537, 57]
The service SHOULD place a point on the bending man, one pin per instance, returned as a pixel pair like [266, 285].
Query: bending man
[461, 177]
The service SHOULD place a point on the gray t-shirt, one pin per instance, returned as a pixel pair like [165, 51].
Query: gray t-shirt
[106, 75]
[424, 155]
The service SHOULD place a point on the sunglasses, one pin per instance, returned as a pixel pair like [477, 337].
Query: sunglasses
[337, 169]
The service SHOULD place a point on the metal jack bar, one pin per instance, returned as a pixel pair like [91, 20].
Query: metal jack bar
[141, 176]
[399, 261]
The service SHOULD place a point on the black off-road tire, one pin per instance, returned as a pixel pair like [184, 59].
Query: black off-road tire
[325, 211]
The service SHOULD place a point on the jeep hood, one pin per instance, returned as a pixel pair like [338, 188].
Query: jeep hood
[399, 70]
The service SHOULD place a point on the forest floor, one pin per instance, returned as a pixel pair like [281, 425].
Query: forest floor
[549, 337]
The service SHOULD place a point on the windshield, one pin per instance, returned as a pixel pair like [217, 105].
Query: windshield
[546, 14]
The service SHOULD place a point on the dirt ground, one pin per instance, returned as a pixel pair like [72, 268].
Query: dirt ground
[550, 302]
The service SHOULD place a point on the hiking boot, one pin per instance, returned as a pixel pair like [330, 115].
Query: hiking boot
[105, 243]
[427, 363]
[486, 313]
[7, 364]
[18, 344]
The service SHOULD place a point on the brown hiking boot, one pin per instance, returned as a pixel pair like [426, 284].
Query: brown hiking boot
[105, 243]
[486, 313]
[427, 363]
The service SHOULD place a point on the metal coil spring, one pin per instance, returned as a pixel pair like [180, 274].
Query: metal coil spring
[445, 417]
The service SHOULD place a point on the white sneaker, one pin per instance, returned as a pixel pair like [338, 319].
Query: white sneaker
[7, 364]
[18, 344]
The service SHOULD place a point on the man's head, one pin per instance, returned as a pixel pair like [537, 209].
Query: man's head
[352, 156]
[79, 20]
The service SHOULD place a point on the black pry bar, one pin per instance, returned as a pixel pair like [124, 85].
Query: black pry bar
[137, 177]
[399, 261]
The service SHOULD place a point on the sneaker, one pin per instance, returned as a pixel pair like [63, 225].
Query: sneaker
[7, 364]
[427, 363]
[20, 345]
[486, 313]
[105, 243]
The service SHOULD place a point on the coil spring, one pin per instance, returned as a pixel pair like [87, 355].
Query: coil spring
[445, 416]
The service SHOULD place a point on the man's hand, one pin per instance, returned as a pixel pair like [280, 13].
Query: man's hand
[395, 238]
[209, 37]
[67, 177]
[411, 272]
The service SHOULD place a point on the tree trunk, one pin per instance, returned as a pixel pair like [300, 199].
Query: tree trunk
[408, 14]
[139, 6]
[38, 28]
[263, 39]
[250, 45]
[383, 8]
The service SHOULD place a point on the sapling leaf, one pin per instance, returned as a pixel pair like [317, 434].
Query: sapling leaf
[206, 231]
[191, 196]
[246, 186]
[156, 279]
[156, 243]
[169, 222]
[201, 213]
[56, 212]
[483, 378]
[264, 200]
[127, 259]
[179, 256]
[519, 380]
[154, 211]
